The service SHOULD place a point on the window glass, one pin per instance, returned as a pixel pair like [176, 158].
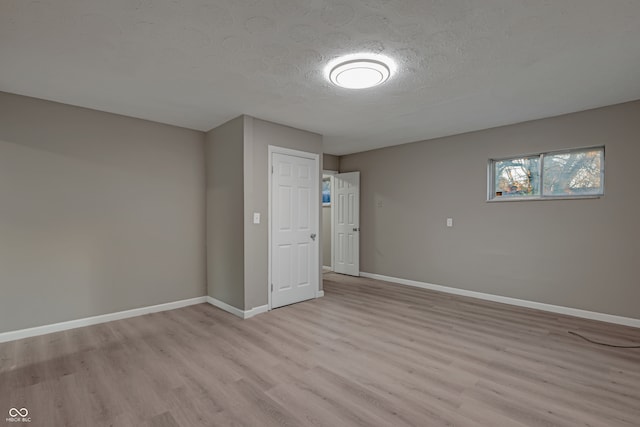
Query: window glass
[559, 174]
[578, 173]
[326, 191]
[518, 177]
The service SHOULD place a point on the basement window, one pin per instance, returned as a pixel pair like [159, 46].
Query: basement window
[569, 174]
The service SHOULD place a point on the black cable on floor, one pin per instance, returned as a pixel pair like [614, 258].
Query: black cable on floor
[602, 343]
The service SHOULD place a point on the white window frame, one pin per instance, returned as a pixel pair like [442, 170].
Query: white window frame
[491, 185]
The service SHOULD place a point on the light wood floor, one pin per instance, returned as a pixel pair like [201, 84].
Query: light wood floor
[368, 353]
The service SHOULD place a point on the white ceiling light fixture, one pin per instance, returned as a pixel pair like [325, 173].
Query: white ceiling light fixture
[360, 71]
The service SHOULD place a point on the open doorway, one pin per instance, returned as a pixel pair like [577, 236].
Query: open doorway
[327, 220]
[345, 238]
[341, 222]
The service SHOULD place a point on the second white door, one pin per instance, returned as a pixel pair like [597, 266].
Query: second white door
[295, 205]
[346, 223]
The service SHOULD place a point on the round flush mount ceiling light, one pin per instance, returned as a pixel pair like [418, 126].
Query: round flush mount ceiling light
[360, 71]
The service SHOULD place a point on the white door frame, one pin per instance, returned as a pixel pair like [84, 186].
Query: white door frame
[316, 158]
[330, 174]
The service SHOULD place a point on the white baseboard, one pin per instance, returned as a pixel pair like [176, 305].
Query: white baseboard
[243, 314]
[94, 320]
[226, 307]
[255, 311]
[610, 318]
[319, 294]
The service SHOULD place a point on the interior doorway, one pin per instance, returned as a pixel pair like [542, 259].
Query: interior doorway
[327, 220]
[341, 222]
[345, 239]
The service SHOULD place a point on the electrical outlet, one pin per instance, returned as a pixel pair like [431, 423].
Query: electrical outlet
[256, 217]
[449, 222]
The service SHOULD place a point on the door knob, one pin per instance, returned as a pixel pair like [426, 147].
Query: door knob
[313, 236]
[356, 229]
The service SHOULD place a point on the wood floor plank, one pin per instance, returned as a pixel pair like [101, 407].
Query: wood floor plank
[369, 353]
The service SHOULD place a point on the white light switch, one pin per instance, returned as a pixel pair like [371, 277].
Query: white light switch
[256, 217]
[449, 222]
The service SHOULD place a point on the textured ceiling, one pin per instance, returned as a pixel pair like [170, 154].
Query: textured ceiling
[462, 64]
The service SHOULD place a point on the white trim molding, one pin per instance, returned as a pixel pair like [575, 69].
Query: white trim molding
[320, 293]
[255, 311]
[226, 307]
[103, 318]
[576, 312]
[94, 320]
[243, 314]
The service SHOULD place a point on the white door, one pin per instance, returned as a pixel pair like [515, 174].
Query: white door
[346, 223]
[295, 204]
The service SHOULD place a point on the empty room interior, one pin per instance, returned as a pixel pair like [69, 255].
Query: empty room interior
[319, 213]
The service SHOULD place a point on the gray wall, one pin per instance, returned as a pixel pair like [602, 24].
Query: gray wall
[326, 236]
[98, 213]
[330, 162]
[237, 186]
[259, 135]
[225, 212]
[574, 253]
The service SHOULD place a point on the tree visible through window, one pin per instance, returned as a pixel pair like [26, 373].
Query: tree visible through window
[574, 173]
[518, 177]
